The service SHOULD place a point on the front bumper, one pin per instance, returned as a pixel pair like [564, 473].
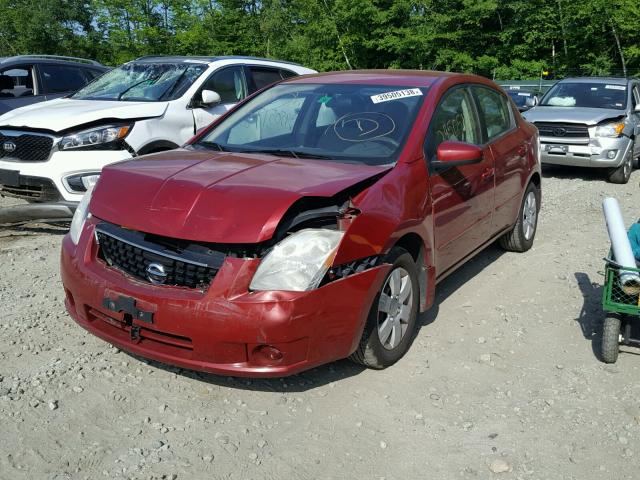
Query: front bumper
[594, 154]
[45, 181]
[224, 329]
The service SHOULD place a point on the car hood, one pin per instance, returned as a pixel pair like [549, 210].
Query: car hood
[216, 197]
[590, 116]
[64, 114]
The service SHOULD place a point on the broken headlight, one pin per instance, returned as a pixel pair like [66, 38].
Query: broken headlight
[80, 216]
[611, 130]
[299, 262]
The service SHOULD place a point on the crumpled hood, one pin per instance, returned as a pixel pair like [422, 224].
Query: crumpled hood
[589, 116]
[66, 113]
[215, 197]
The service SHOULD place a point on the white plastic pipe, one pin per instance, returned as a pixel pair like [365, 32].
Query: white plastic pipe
[622, 253]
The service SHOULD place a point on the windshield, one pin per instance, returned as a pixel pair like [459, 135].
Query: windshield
[147, 82]
[352, 123]
[520, 98]
[586, 94]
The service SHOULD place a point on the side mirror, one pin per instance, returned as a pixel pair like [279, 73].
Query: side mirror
[456, 154]
[531, 102]
[210, 98]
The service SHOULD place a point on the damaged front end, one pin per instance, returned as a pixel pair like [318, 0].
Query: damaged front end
[270, 307]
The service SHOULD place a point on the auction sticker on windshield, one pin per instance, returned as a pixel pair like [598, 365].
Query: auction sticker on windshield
[615, 87]
[387, 96]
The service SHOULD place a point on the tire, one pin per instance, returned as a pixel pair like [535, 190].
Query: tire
[622, 174]
[520, 238]
[610, 339]
[379, 345]
[636, 160]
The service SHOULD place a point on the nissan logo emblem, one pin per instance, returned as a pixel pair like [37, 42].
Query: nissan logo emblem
[9, 147]
[156, 273]
[559, 131]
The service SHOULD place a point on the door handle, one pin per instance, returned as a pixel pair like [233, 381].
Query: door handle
[487, 174]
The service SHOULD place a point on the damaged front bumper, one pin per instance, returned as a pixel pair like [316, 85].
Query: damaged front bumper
[225, 329]
[597, 152]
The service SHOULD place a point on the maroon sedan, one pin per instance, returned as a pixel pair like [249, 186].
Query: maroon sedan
[309, 224]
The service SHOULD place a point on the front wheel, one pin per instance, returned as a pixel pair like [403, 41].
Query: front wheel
[622, 174]
[520, 239]
[391, 323]
[611, 339]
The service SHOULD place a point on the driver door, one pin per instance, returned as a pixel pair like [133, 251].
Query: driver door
[230, 84]
[462, 197]
[635, 118]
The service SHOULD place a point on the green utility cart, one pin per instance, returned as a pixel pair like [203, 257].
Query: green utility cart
[621, 305]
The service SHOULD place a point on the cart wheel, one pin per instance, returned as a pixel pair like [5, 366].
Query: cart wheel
[610, 339]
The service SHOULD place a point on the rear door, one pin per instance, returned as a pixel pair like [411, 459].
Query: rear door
[509, 149]
[635, 116]
[462, 197]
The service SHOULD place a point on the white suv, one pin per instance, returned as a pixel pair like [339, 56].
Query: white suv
[53, 151]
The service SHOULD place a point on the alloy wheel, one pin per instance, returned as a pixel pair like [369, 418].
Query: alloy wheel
[529, 215]
[394, 308]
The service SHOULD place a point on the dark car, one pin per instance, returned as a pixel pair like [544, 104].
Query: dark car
[524, 99]
[28, 79]
[310, 223]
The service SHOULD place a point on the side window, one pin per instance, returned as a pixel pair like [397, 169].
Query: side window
[636, 96]
[264, 76]
[61, 78]
[454, 119]
[16, 82]
[287, 73]
[494, 109]
[228, 83]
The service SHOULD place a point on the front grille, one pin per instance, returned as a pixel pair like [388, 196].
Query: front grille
[184, 264]
[33, 189]
[26, 147]
[562, 130]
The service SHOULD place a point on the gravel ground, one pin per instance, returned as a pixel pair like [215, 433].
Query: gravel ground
[502, 381]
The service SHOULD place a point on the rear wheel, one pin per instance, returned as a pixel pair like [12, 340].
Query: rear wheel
[611, 339]
[623, 172]
[520, 239]
[391, 323]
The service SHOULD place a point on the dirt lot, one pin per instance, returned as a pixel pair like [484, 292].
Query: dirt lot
[501, 382]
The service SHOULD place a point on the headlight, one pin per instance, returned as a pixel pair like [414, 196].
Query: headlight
[299, 262]
[102, 136]
[612, 130]
[79, 217]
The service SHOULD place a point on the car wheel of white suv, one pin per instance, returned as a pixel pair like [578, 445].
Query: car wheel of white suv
[623, 172]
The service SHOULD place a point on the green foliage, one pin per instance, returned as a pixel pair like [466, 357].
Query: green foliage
[506, 39]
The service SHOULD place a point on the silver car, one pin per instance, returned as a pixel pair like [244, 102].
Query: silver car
[590, 122]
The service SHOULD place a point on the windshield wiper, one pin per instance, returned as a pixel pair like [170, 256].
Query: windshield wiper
[213, 145]
[288, 153]
[120, 95]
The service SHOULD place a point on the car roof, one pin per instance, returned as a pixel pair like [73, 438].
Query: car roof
[596, 80]
[420, 78]
[52, 59]
[206, 59]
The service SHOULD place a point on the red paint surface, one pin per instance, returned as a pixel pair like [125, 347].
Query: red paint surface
[240, 198]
